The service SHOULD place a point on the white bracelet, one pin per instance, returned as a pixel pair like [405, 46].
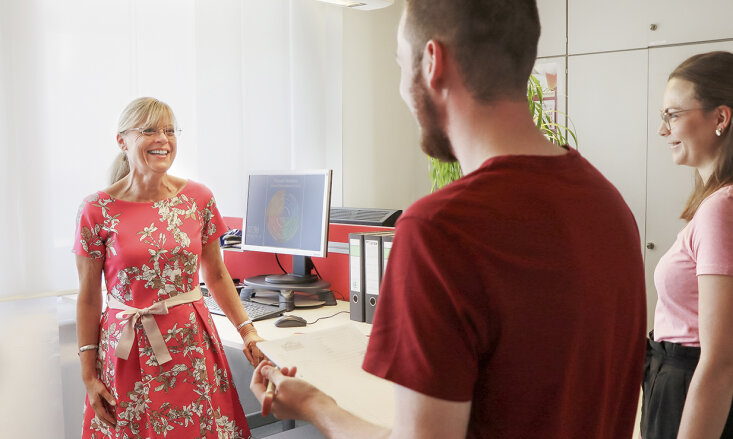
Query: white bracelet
[243, 324]
[88, 347]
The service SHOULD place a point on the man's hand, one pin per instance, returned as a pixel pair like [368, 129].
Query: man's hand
[292, 398]
[286, 397]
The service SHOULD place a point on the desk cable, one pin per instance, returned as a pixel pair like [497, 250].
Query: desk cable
[328, 317]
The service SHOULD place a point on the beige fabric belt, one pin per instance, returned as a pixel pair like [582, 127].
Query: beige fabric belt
[146, 316]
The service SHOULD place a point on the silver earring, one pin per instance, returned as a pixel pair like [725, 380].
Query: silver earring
[718, 132]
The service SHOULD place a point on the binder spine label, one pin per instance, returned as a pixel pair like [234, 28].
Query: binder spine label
[371, 265]
[356, 277]
[386, 248]
[355, 264]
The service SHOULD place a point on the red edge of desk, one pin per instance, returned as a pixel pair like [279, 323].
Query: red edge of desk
[334, 268]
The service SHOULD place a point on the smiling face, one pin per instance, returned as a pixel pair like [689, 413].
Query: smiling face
[691, 136]
[149, 154]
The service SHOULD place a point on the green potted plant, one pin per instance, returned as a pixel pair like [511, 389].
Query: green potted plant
[443, 173]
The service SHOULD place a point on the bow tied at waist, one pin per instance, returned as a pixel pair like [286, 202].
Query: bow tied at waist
[129, 317]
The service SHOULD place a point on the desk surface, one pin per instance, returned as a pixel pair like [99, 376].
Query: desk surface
[364, 395]
[267, 329]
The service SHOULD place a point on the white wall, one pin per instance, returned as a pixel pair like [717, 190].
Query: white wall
[316, 82]
[382, 161]
[255, 84]
[29, 360]
[247, 79]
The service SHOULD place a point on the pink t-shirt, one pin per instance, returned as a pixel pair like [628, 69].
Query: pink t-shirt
[703, 246]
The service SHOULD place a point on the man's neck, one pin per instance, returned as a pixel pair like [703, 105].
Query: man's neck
[479, 132]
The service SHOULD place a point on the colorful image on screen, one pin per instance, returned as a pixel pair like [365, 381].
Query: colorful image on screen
[287, 213]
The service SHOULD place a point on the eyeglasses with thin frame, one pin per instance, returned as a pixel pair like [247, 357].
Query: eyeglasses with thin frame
[148, 132]
[669, 115]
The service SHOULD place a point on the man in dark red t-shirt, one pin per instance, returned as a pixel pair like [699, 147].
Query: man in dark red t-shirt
[513, 304]
[519, 288]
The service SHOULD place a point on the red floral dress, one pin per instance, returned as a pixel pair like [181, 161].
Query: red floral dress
[151, 253]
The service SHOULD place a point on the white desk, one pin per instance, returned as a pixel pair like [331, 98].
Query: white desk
[267, 329]
[377, 404]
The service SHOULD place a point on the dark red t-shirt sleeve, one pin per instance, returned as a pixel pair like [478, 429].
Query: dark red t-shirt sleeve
[421, 338]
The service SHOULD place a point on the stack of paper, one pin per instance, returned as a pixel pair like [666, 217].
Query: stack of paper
[331, 359]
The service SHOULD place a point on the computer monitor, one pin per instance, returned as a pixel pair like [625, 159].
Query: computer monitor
[287, 212]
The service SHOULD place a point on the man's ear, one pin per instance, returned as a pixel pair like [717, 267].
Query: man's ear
[433, 63]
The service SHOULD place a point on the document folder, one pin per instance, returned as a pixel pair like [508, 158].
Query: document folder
[356, 276]
[372, 273]
[386, 249]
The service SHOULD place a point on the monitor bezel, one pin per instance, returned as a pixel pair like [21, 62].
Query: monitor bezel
[323, 251]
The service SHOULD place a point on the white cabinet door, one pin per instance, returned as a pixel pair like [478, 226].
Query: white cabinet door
[668, 185]
[552, 20]
[601, 26]
[685, 21]
[607, 107]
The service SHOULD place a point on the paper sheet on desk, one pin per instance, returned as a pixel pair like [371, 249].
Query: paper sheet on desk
[331, 359]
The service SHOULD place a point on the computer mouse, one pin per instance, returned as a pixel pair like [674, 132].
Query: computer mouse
[290, 322]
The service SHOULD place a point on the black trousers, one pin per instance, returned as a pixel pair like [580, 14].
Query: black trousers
[667, 375]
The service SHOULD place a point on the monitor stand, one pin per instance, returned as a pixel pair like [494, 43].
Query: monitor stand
[302, 273]
[292, 295]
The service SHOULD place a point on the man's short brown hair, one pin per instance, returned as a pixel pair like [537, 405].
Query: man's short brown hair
[494, 42]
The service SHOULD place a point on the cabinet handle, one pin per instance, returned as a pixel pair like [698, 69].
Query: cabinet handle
[650, 245]
[653, 27]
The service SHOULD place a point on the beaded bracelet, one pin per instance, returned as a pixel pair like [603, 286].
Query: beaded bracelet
[88, 347]
[243, 324]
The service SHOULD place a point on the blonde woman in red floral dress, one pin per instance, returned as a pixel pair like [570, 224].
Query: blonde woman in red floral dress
[152, 362]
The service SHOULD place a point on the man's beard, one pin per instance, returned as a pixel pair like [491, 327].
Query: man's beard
[433, 142]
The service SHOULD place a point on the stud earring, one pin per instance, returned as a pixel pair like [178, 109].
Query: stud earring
[718, 132]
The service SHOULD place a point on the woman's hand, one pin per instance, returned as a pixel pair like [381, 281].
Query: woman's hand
[251, 351]
[101, 401]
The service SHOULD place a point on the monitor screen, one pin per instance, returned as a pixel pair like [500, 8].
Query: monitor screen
[287, 212]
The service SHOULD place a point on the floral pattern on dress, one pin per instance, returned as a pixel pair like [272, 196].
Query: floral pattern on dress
[151, 253]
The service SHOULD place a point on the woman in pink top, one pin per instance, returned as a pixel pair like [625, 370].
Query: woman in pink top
[152, 361]
[688, 378]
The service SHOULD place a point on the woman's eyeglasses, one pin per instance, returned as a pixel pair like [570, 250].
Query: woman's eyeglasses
[669, 115]
[148, 132]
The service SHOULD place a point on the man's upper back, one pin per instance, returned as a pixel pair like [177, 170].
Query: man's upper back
[519, 287]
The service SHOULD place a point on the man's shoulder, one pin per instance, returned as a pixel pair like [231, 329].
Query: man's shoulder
[436, 203]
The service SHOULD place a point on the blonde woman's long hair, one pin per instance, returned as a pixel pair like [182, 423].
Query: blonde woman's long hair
[141, 113]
